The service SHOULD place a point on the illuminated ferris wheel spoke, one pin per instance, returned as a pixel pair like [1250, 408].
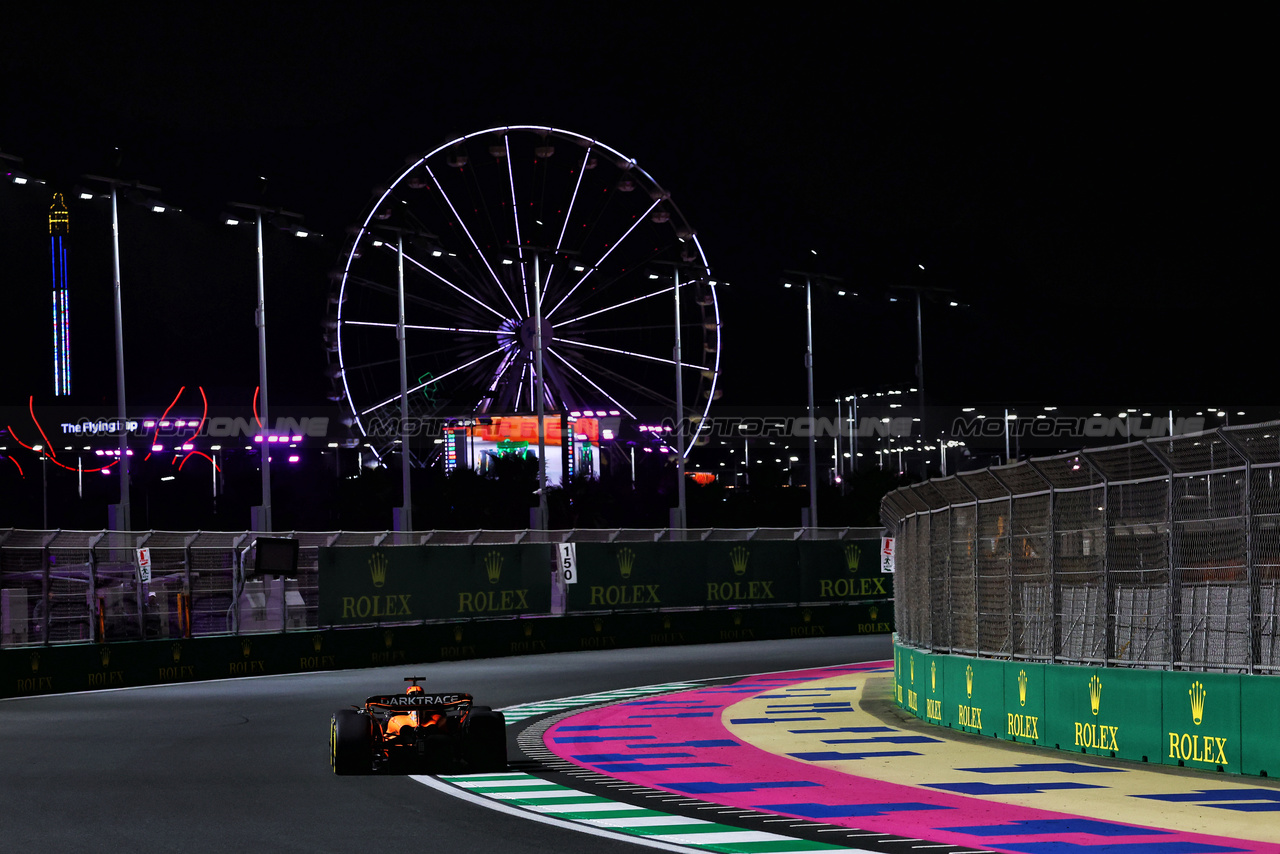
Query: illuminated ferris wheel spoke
[616, 305]
[433, 380]
[460, 329]
[515, 216]
[568, 214]
[632, 354]
[476, 246]
[391, 292]
[642, 218]
[591, 383]
[450, 284]
[645, 392]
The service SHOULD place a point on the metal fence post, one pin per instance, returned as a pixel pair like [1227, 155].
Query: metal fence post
[1250, 558]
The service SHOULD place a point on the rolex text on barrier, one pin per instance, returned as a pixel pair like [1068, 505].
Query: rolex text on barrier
[362, 585]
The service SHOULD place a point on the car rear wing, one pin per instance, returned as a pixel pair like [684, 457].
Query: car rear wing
[418, 702]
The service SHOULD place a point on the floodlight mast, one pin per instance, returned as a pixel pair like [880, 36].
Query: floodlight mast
[123, 521]
[260, 320]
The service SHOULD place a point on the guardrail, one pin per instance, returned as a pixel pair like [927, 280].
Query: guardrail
[80, 587]
[1163, 553]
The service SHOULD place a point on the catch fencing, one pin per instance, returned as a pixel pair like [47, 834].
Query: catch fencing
[75, 587]
[1163, 553]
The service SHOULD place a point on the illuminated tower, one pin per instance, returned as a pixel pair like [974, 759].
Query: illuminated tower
[58, 227]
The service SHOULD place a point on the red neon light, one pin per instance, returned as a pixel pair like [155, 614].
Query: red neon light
[203, 415]
[255, 406]
[20, 471]
[197, 454]
[51, 459]
[156, 434]
[31, 409]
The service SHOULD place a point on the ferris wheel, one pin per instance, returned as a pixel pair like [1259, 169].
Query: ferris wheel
[494, 229]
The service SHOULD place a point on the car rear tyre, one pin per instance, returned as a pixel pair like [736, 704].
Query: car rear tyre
[350, 743]
[486, 740]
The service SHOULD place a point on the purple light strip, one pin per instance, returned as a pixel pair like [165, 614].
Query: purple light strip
[467, 231]
[445, 281]
[619, 305]
[589, 381]
[515, 215]
[427, 328]
[434, 380]
[632, 354]
[595, 266]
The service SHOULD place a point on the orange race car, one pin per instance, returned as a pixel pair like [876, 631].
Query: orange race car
[417, 731]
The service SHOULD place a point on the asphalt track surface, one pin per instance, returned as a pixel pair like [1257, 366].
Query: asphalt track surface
[239, 765]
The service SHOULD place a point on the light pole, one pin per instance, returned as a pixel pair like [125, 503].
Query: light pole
[809, 279]
[123, 521]
[262, 523]
[680, 520]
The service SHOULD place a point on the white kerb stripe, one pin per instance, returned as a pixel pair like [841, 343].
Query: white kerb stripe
[726, 838]
[608, 806]
[647, 821]
[549, 793]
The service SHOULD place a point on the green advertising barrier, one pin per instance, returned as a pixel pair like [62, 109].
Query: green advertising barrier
[1104, 711]
[490, 580]
[361, 585]
[749, 573]
[26, 671]
[1201, 720]
[1208, 721]
[835, 570]
[617, 576]
[1024, 701]
[974, 696]
[1259, 735]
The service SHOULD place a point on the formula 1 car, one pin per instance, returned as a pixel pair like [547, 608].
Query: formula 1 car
[417, 732]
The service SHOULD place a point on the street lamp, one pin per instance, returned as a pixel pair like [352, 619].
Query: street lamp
[262, 521]
[681, 519]
[122, 520]
[790, 276]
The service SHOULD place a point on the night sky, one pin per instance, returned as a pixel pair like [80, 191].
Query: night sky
[1092, 185]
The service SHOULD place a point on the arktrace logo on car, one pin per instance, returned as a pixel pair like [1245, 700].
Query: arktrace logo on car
[420, 699]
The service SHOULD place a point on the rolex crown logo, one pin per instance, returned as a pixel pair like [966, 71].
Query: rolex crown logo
[933, 676]
[246, 648]
[913, 670]
[378, 568]
[1095, 693]
[493, 566]
[852, 556]
[104, 654]
[597, 624]
[626, 560]
[1197, 693]
[35, 662]
[874, 612]
[968, 681]
[457, 635]
[528, 629]
[388, 638]
[738, 556]
[1022, 687]
[177, 652]
[317, 641]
